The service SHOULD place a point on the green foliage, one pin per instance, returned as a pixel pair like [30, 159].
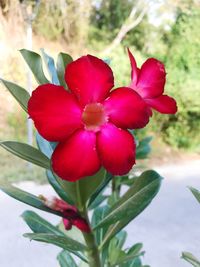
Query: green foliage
[26, 152]
[191, 259]
[60, 241]
[109, 17]
[183, 67]
[66, 260]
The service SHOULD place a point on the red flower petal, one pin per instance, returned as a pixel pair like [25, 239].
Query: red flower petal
[163, 104]
[55, 112]
[82, 225]
[134, 69]
[126, 109]
[151, 78]
[76, 157]
[67, 223]
[116, 148]
[89, 78]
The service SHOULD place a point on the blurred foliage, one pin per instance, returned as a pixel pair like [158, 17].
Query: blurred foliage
[183, 67]
[92, 25]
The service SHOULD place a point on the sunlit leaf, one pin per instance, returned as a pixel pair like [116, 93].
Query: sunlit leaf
[34, 61]
[19, 93]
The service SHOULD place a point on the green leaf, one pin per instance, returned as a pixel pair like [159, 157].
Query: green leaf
[66, 260]
[196, 193]
[19, 93]
[132, 203]
[63, 242]
[81, 191]
[34, 62]
[101, 188]
[26, 198]
[98, 201]
[62, 61]
[143, 148]
[98, 214]
[39, 225]
[49, 61]
[132, 254]
[26, 152]
[191, 259]
[57, 187]
[45, 146]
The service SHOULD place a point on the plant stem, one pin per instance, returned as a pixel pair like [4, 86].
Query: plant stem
[92, 249]
[93, 252]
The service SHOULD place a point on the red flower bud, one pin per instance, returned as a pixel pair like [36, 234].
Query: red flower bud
[82, 225]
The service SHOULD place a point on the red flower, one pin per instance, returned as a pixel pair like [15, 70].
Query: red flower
[89, 122]
[70, 213]
[149, 82]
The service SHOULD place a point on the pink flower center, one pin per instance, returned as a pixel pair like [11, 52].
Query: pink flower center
[94, 116]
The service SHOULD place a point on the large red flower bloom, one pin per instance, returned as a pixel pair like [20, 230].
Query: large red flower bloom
[89, 122]
[149, 82]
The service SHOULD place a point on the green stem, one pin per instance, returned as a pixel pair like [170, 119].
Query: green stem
[92, 249]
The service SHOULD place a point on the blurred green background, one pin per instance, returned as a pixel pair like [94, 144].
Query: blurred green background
[165, 29]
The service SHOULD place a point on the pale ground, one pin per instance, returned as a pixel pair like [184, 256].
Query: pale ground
[167, 227]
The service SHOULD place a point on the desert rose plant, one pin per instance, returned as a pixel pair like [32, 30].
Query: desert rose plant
[85, 138]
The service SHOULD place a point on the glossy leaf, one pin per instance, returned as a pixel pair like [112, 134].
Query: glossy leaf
[81, 191]
[101, 188]
[27, 152]
[134, 201]
[66, 260]
[63, 242]
[57, 187]
[39, 225]
[26, 198]
[34, 62]
[98, 201]
[196, 193]
[62, 61]
[19, 93]
[191, 259]
[49, 61]
[45, 146]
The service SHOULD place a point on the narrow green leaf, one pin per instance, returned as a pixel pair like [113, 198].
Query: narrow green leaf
[45, 146]
[191, 259]
[26, 198]
[39, 225]
[134, 201]
[98, 201]
[101, 188]
[49, 61]
[62, 61]
[63, 242]
[27, 153]
[98, 215]
[196, 193]
[83, 188]
[19, 93]
[66, 260]
[57, 187]
[34, 62]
